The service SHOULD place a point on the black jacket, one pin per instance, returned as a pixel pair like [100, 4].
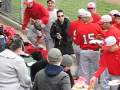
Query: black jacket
[65, 43]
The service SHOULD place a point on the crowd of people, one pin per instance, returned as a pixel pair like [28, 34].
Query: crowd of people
[54, 41]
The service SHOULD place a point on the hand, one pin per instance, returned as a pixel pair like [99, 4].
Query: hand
[59, 36]
[92, 83]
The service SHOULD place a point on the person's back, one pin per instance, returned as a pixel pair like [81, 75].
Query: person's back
[45, 82]
[13, 72]
[40, 64]
[52, 77]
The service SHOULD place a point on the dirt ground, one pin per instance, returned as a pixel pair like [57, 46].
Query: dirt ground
[114, 1]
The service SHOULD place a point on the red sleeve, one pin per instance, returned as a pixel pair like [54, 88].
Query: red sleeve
[70, 29]
[44, 13]
[102, 67]
[26, 19]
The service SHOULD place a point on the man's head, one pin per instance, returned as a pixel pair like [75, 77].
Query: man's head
[37, 25]
[54, 56]
[113, 12]
[91, 7]
[60, 16]
[117, 17]
[84, 15]
[29, 3]
[51, 4]
[16, 44]
[105, 21]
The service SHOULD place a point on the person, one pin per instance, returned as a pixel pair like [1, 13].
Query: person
[14, 73]
[36, 35]
[38, 65]
[52, 17]
[112, 13]
[3, 42]
[34, 11]
[110, 56]
[117, 20]
[0, 3]
[89, 53]
[67, 63]
[72, 31]
[53, 76]
[59, 35]
[91, 7]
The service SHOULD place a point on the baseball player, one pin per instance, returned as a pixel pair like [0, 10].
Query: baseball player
[91, 7]
[110, 58]
[89, 53]
[34, 11]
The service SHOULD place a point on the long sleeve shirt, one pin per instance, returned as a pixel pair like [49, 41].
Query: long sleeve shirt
[37, 11]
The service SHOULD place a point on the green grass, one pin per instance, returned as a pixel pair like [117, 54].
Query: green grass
[70, 7]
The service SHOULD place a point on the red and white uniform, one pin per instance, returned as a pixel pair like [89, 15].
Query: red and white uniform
[117, 25]
[87, 32]
[96, 17]
[110, 60]
[72, 31]
[37, 11]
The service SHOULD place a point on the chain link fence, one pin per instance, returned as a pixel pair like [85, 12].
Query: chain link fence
[12, 9]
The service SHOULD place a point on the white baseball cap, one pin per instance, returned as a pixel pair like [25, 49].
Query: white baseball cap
[27, 2]
[117, 14]
[110, 40]
[91, 5]
[113, 12]
[106, 18]
[84, 13]
[81, 11]
[51, 1]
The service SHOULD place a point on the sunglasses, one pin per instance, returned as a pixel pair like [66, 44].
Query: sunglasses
[60, 15]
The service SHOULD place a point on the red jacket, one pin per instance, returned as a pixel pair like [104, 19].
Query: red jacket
[38, 11]
[110, 60]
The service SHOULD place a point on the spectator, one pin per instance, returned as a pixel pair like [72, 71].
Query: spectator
[53, 76]
[52, 17]
[14, 73]
[0, 3]
[40, 64]
[59, 34]
[91, 7]
[67, 63]
[34, 11]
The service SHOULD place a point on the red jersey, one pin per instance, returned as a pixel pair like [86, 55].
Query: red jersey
[37, 11]
[72, 31]
[110, 60]
[117, 26]
[87, 32]
[95, 17]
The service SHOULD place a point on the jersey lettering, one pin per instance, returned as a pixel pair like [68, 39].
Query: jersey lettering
[88, 37]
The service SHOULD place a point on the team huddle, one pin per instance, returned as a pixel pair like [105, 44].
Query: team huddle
[93, 39]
